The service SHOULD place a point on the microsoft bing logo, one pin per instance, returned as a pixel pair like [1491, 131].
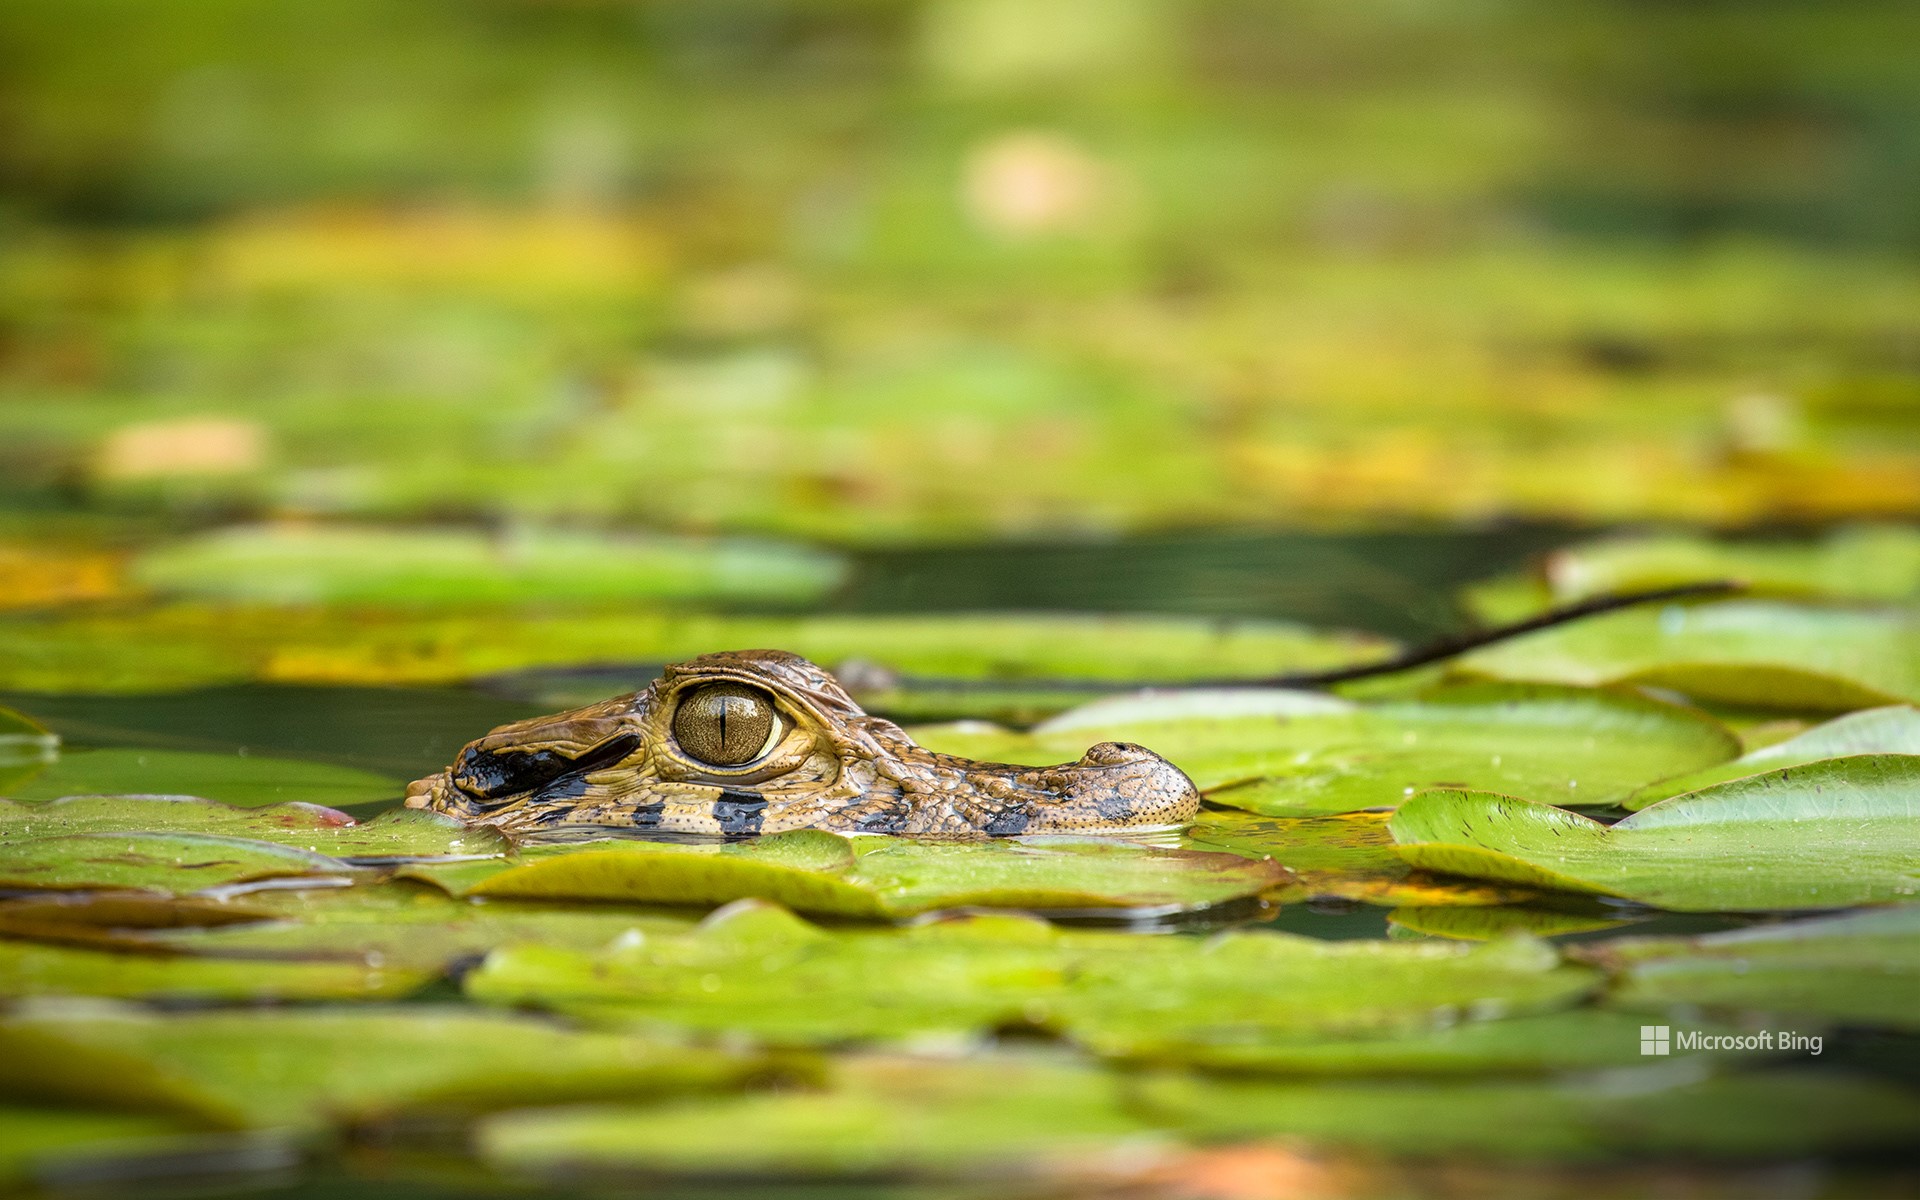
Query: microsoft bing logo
[1654, 1040]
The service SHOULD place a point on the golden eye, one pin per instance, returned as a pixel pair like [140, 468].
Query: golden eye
[726, 724]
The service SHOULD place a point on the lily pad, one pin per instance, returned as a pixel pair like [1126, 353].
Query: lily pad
[28, 969]
[322, 564]
[761, 971]
[1831, 834]
[25, 747]
[315, 1067]
[186, 645]
[226, 777]
[398, 834]
[114, 920]
[1322, 755]
[1863, 968]
[1894, 729]
[1582, 1039]
[984, 1118]
[1775, 1114]
[1746, 653]
[816, 872]
[168, 862]
[1349, 856]
[407, 925]
[1874, 563]
[1501, 920]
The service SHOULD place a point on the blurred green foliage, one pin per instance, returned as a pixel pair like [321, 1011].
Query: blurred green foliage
[883, 272]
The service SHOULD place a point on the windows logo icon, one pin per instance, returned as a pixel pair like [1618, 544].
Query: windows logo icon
[1654, 1039]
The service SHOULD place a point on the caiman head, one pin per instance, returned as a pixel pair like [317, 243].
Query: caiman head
[760, 741]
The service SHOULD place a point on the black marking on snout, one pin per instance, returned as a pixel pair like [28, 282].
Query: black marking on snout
[1008, 823]
[740, 813]
[500, 774]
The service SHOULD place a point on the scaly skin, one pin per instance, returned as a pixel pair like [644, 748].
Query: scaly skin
[829, 766]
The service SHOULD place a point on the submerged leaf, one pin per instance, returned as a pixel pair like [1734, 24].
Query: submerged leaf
[315, 1067]
[1894, 729]
[230, 778]
[1830, 834]
[1750, 653]
[1300, 757]
[1863, 968]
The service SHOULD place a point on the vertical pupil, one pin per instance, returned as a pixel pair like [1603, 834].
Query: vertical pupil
[725, 724]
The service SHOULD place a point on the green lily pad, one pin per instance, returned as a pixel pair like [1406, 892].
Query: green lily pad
[397, 834]
[1875, 563]
[27, 969]
[225, 777]
[760, 970]
[168, 862]
[1746, 653]
[1312, 754]
[1831, 834]
[407, 925]
[307, 564]
[1501, 920]
[186, 645]
[315, 1067]
[983, 1118]
[1774, 1115]
[817, 872]
[25, 747]
[1581, 1039]
[1894, 729]
[35, 1141]
[123, 920]
[1863, 968]
[1349, 856]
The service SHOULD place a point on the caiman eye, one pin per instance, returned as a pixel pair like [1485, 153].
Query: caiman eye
[726, 724]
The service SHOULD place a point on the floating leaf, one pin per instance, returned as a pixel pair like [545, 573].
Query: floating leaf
[1751, 653]
[1780, 1114]
[816, 872]
[313, 1067]
[1863, 968]
[1894, 729]
[407, 925]
[40, 970]
[1349, 856]
[25, 748]
[763, 971]
[1321, 755]
[983, 1118]
[1578, 1040]
[123, 920]
[171, 862]
[187, 645]
[1501, 920]
[1830, 834]
[309, 564]
[1861, 563]
[397, 834]
[226, 777]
